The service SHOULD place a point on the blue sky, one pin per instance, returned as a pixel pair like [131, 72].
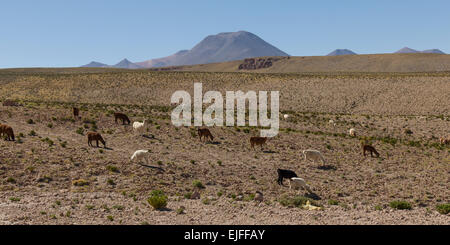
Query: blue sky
[72, 33]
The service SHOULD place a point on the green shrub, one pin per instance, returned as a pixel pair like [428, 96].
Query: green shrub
[400, 204]
[333, 202]
[198, 184]
[157, 199]
[443, 208]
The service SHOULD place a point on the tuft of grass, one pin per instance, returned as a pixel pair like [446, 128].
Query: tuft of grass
[11, 180]
[14, 199]
[333, 202]
[80, 182]
[198, 184]
[32, 133]
[112, 168]
[157, 199]
[297, 201]
[400, 205]
[443, 208]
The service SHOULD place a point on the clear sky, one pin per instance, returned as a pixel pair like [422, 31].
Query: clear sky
[62, 33]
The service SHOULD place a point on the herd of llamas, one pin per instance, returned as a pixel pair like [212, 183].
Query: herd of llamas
[7, 132]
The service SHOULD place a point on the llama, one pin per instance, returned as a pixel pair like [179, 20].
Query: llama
[314, 155]
[8, 131]
[352, 132]
[140, 155]
[205, 133]
[285, 174]
[76, 112]
[139, 126]
[122, 117]
[332, 122]
[369, 148]
[299, 182]
[444, 141]
[97, 137]
[258, 141]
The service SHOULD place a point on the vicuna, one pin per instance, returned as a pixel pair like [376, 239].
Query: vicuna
[95, 136]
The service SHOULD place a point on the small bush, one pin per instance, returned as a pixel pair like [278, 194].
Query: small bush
[333, 202]
[30, 121]
[80, 182]
[32, 133]
[400, 205]
[157, 199]
[443, 208]
[198, 184]
[112, 168]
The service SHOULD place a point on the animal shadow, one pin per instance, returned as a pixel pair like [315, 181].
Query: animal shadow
[327, 167]
[269, 151]
[213, 142]
[153, 167]
[313, 196]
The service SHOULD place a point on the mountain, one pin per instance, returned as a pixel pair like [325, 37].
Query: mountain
[95, 64]
[127, 65]
[225, 46]
[433, 51]
[407, 50]
[341, 52]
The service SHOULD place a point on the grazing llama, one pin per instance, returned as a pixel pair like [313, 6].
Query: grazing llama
[140, 155]
[313, 155]
[76, 112]
[205, 133]
[352, 132]
[444, 141]
[299, 182]
[95, 136]
[370, 149]
[8, 131]
[122, 117]
[139, 126]
[257, 141]
[285, 174]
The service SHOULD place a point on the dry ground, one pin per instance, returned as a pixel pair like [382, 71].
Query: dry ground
[37, 170]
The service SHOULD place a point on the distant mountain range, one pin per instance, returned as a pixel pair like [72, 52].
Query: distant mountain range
[223, 47]
[126, 64]
[407, 50]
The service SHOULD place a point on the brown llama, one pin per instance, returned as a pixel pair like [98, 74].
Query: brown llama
[95, 136]
[258, 141]
[5, 129]
[76, 112]
[205, 133]
[122, 117]
[444, 141]
[370, 149]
